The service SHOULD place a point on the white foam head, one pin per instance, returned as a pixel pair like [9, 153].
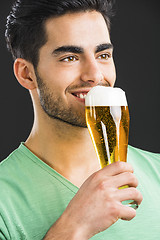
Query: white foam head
[106, 96]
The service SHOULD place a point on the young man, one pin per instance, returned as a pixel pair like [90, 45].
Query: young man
[52, 186]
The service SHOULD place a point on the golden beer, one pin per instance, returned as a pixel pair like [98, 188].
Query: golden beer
[107, 118]
[109, 130]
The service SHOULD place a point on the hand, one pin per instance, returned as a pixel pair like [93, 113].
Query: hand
[97, 204]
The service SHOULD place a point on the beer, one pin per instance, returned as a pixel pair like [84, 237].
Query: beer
[109, 136]
[107, 118]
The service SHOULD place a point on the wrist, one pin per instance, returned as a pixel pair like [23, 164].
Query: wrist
[75, 228]
[66, 228]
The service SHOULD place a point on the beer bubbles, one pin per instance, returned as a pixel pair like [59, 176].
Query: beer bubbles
[107, 118]
[106, 96]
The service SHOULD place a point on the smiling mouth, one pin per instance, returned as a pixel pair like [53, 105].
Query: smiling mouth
[80, 95]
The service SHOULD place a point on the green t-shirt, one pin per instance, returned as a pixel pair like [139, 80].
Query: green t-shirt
[33, 196]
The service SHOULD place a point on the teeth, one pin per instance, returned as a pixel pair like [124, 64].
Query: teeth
[81, 95]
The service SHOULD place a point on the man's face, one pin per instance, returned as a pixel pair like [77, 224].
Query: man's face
[76, 57]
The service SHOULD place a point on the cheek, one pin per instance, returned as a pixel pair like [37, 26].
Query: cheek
[110, 74]
[62, 79]
[55, 78]
[65, 76]
[113, 76]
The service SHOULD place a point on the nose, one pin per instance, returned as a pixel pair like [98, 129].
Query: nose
[91, 72]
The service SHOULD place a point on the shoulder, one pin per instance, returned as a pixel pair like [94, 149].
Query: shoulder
[133, 152]
[9, 162]
[18, 161]
[9, 168]
[13, 171]
[142, 159]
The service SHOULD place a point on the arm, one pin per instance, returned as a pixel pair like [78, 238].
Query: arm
[97, 204]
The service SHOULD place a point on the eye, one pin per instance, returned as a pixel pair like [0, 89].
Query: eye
[69, 59]
[104, 56]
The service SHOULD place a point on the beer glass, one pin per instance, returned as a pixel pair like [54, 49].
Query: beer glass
[107, 118]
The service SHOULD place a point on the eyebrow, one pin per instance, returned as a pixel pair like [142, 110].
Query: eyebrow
[103, 47]
[69, 48]
[77, 49]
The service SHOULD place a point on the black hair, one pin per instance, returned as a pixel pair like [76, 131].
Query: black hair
[25, 28]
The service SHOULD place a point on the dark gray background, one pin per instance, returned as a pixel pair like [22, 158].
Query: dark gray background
[136, 38]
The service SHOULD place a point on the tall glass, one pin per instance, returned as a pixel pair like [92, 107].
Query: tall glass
[107, 118]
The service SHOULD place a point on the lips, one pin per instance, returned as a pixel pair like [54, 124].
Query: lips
[81, 95]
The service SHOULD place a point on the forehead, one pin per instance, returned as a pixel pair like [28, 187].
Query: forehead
[81, 28]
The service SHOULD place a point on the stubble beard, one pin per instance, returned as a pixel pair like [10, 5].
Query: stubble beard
[54, 107]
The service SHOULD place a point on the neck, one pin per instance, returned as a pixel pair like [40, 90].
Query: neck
[67, 149]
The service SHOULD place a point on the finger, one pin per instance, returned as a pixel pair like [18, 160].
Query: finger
[130, 193]
[117, 168]
[123, 179]
[127, 213]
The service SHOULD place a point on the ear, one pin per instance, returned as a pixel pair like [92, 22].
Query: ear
[24, 72]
